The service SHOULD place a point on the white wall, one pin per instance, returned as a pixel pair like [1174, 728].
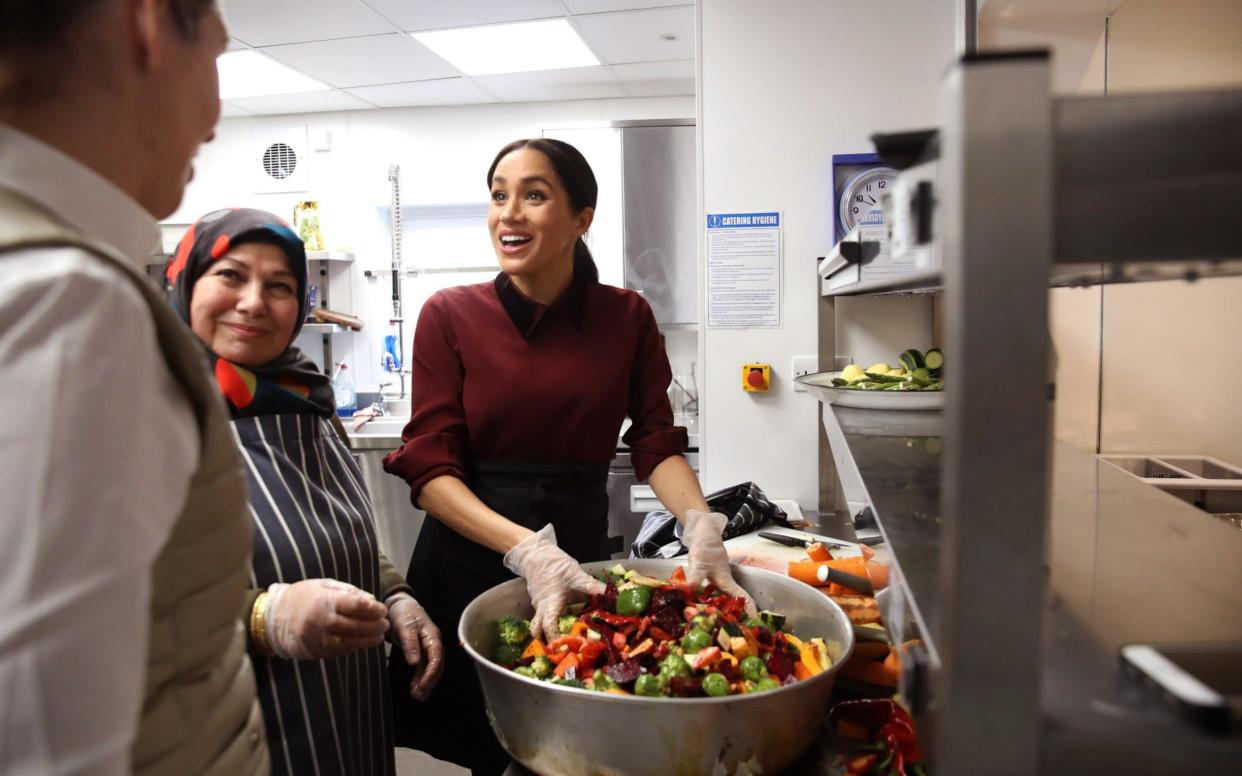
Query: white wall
[784, 86]
[443, 152]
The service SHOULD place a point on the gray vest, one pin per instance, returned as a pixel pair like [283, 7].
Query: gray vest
[200, 714]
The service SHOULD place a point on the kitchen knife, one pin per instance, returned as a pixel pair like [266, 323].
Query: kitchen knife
[797, 541]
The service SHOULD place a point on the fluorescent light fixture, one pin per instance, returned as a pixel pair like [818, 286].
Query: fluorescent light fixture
[522, 47]
[251, 74]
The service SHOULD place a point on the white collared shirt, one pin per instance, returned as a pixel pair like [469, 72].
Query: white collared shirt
[97, 446]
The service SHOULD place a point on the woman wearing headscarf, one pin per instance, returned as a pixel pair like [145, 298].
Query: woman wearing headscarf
[314, 615]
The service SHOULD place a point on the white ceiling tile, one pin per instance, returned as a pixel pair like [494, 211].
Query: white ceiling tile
[436, 14]
[310, 102]
[634, 36]
[375, 59]
[581, 83]
[273, 22]
[229, 110]
[445, 91]
[603, 6]
[235, 44]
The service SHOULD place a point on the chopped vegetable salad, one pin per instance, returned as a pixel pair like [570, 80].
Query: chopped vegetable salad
[661, 638]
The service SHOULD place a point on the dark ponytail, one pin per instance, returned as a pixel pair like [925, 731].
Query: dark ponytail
[577, 178]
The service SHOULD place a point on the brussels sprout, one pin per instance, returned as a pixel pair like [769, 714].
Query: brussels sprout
[695, 640]
[752, 668]
[648, 685]
[715, 685]
[542, 666]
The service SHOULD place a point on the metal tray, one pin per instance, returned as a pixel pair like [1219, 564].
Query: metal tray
[820, 384]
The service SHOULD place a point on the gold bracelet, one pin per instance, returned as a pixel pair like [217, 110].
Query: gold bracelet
[258, 627]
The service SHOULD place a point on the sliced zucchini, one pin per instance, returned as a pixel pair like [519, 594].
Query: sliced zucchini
[933, 359]
[838, 382]
[911, 360]
[883, 377]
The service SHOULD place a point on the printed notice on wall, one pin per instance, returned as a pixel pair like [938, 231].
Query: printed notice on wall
[743, 270]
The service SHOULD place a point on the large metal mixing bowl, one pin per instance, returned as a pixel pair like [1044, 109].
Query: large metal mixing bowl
[562, 731]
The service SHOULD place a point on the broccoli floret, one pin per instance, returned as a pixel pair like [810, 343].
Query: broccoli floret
[525, 671]
[601, 682]
[570, 683]
[508, 654]
[514, 630]
[542, 666]
[566, 624]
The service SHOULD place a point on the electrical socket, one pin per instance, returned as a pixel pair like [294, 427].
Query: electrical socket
[803, 365]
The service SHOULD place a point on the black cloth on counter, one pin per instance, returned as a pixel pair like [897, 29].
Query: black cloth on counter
[745, 505]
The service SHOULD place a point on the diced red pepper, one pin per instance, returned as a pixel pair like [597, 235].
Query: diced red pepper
[659, 634]
[574, 643]
[590, 656]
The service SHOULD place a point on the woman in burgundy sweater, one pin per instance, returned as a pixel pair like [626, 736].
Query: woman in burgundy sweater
[520, 386]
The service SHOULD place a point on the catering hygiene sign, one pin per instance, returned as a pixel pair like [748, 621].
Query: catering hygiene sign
[744, 270]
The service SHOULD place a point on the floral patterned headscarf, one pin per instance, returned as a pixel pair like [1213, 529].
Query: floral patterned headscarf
[291, 383]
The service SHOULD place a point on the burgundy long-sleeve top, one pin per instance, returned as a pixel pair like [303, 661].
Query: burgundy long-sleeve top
[498, 376]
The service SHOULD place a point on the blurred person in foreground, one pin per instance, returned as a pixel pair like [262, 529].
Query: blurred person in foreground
[124, 536]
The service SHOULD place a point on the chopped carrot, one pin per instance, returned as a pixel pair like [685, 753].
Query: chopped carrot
[579, 629]
[679, 574]
[892, 666]
[801, 671]
[557, 657]
[562, 668]
[534, 649]
[808, 571]
[878, 574]
[869, 671]
[818, 552]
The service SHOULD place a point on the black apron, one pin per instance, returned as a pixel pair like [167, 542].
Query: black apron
[448, 571]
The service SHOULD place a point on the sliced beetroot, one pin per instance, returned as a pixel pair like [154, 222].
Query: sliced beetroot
[669, 619]
[606, 601]
[728, 669]
[625, 672]
[780, 664]
[686, 686]
[668, 596]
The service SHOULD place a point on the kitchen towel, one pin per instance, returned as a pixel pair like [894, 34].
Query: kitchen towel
[745, 505]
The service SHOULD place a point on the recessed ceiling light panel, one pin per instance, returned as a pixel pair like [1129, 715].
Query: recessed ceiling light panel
[522, 47]
[252, 74]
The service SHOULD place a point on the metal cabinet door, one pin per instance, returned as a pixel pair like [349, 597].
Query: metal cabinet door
[661, 220]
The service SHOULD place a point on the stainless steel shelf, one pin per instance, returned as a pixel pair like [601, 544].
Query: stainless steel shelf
[344, 257]
[1127, 563]
[1062, 276]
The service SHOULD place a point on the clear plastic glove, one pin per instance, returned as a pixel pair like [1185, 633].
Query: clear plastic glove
[551, 578]
[321, 618]
[703, 534]
[419, 639]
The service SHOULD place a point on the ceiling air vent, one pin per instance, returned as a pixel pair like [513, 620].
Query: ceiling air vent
[278, 159]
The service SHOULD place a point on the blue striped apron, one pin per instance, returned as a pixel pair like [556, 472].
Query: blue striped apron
[313, 519]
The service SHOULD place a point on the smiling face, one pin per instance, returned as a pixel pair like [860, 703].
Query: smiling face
[245, 306]
[532, 222]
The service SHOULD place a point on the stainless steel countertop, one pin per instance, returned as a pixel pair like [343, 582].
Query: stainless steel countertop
[1128, 563]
